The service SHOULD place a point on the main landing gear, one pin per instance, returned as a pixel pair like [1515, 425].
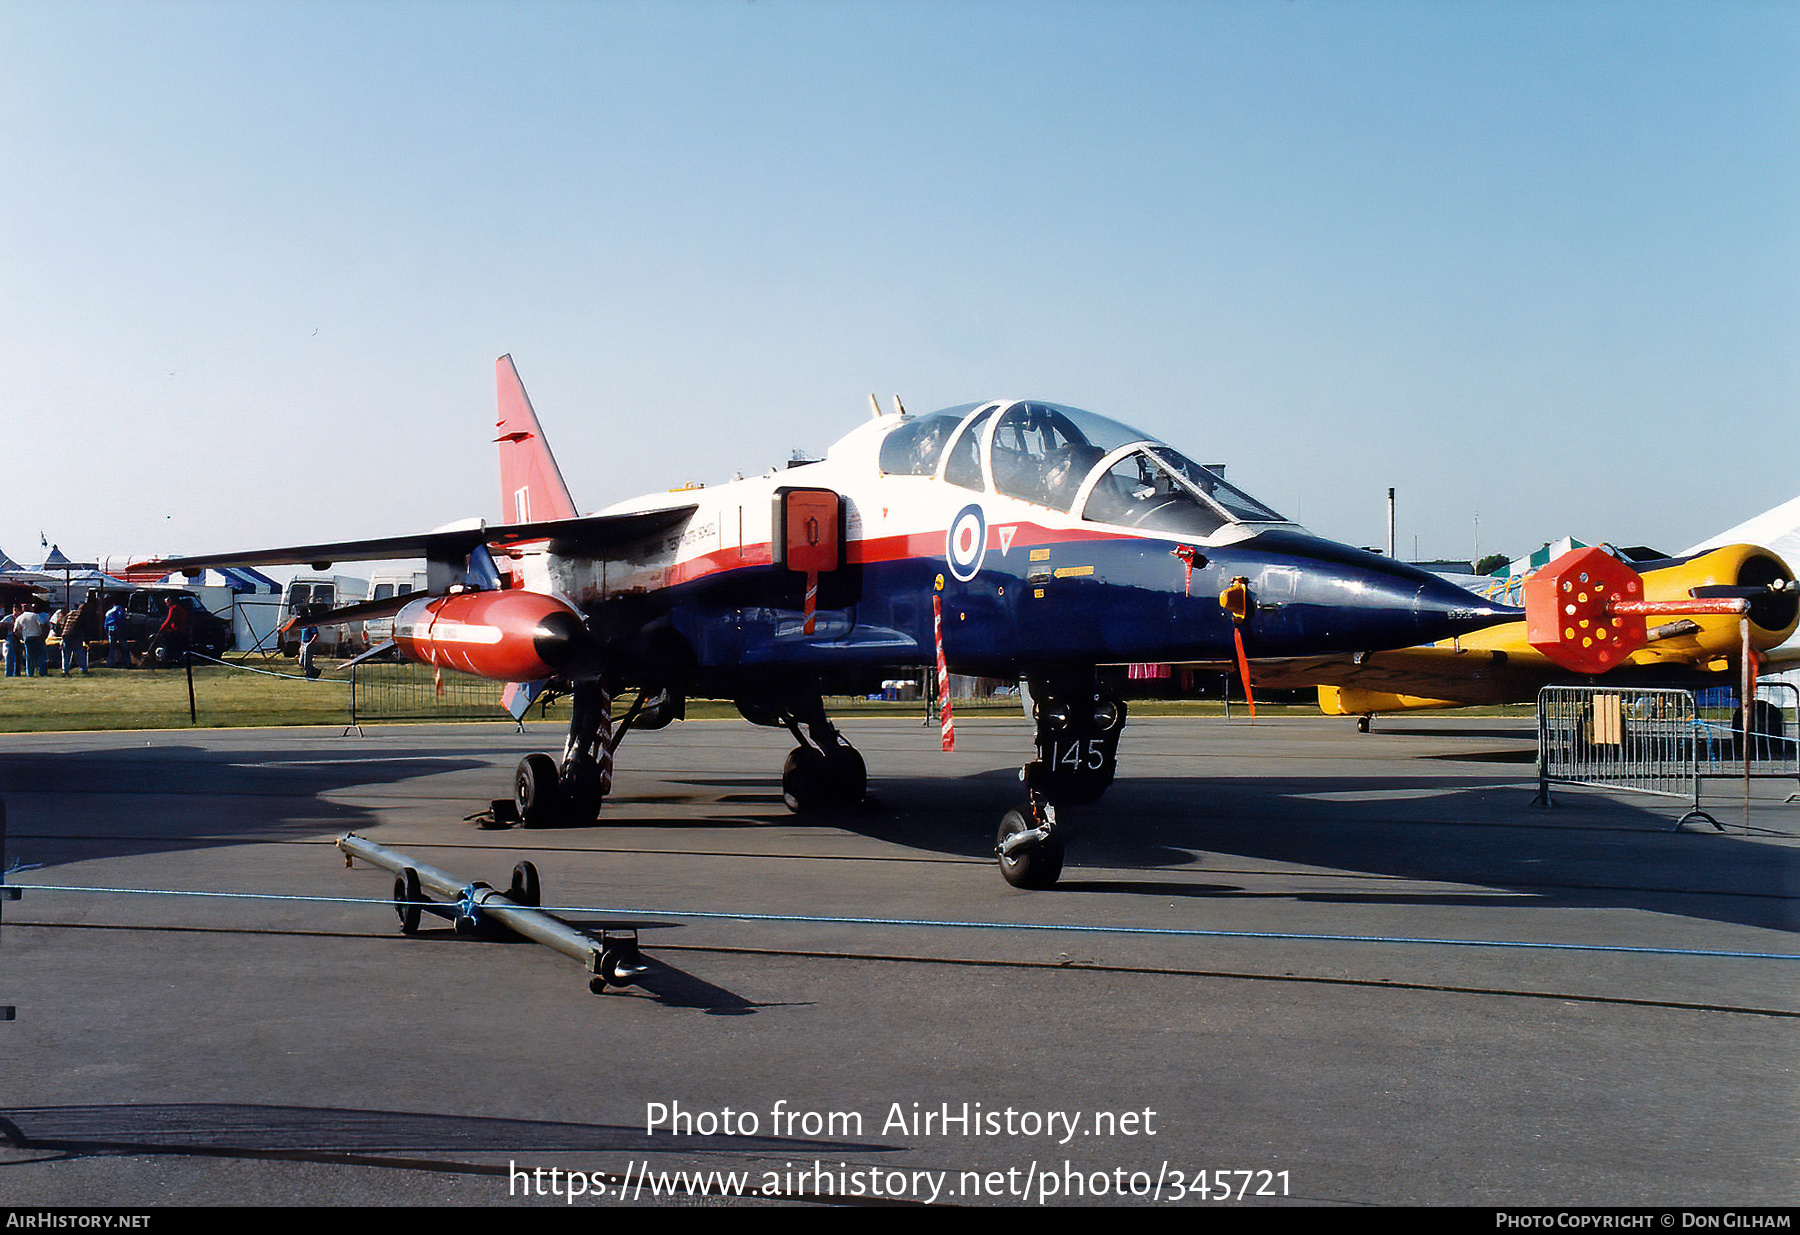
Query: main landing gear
[571, 791]
[824, 772]
[1078, 727]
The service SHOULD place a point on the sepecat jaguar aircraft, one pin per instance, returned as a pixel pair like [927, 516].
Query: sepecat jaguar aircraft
[1013, 538]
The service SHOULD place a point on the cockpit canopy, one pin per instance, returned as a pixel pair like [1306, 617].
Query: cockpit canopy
[1072, 461]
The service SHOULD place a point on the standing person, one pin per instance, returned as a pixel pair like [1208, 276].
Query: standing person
[174, 630]
[43, 641]
[29, 626]
[79, 627]
[309, 641]
[10, 643]
[118, 651]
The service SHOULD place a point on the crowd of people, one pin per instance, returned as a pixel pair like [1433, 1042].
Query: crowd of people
[25, 634]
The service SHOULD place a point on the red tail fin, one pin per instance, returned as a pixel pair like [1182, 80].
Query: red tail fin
[531, 485]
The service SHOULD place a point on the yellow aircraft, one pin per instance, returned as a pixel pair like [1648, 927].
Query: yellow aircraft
[1499, 664]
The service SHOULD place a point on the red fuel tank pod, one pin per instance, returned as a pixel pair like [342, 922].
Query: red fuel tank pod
[507, 636]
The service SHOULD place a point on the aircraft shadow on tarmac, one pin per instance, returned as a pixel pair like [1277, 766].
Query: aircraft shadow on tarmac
[1388, 729]
[230, 1129]
[1477, 831]
[1480, 833]
[163, 799]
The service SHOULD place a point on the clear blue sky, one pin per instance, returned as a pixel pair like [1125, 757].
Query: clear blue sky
[1536, 262]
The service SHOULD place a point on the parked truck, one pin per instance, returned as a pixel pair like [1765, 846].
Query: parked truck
[146, 610]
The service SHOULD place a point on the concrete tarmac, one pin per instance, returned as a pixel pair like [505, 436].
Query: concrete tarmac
[1301, 965]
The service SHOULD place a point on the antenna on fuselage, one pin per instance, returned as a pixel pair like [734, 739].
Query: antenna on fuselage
[899, 409]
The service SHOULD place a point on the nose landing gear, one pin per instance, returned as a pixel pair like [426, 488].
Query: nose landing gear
[1030, 851]
[1078, 728]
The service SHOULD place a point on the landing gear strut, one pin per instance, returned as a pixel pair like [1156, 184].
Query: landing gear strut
[824, 772]
[1078, 727]
[571, 791]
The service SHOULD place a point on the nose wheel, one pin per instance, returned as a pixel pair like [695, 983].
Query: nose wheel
[1030, 853]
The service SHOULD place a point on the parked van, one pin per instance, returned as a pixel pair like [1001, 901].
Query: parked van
[314, 595]
[386, 587]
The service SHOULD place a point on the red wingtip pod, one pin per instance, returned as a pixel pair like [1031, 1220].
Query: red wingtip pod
[507, 636]
[1569, 614]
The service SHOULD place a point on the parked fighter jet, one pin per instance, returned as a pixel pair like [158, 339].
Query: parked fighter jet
[1011, 538]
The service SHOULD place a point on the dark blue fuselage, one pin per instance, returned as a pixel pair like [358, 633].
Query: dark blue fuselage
[1088, 601]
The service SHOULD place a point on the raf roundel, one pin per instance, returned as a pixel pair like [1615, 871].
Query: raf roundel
[966, 543]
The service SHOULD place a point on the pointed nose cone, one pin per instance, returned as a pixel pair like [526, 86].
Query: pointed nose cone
[1444, 610]
[1318, 595]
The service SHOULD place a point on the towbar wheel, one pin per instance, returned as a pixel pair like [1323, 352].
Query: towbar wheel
[526, 888]
[617, 962]
[408, 896]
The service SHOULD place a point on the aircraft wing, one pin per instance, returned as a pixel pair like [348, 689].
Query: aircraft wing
[1479, 676]
[352, 613]
[1467, 677]
[1470, 675]
[589, 535]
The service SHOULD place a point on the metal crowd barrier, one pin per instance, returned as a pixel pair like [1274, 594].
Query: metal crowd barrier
[1774, 733]
[1660, 741]
[407, 690]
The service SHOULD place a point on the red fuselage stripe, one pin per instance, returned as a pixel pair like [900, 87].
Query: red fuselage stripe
[905, 547]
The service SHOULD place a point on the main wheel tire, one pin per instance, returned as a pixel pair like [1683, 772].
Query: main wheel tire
[583, 794]
[806, 784]
[848, 775]
[535, 790]
[1036, 866]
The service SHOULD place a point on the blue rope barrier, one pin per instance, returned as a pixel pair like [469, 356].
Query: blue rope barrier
[467, 906]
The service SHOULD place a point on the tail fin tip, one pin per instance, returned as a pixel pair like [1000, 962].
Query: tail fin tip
[531, 484]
